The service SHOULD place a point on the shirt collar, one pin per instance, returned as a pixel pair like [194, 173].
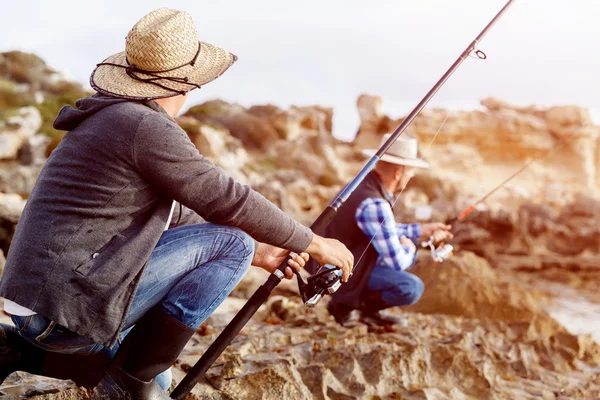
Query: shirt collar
[389, 196]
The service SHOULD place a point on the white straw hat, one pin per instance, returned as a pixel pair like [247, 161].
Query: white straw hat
[404, 151]
[163, 57]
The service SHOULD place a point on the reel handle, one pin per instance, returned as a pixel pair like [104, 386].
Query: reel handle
[326, 281]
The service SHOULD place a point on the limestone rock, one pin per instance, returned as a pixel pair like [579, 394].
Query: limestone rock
[27, 119]
[371, 114]
[34, 74]
[254, 132]
[300, 165]
[11, 206]
[17, 178]
[481, 292]
[486, 146]
[486, 338]
[218, 145]
[17, 131]
[33, 151]
[290, 124]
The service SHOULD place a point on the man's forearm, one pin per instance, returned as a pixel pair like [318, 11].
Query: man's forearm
[165, 156]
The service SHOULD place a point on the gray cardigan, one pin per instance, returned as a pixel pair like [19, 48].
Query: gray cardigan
[101, 204]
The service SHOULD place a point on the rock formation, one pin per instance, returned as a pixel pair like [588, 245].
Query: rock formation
[290, 156]
[479, 149]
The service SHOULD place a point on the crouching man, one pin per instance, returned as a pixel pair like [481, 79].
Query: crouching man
[383, 249]
[93, 263]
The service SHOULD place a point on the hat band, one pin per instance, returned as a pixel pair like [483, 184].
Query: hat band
[401, 156]
[131, 71]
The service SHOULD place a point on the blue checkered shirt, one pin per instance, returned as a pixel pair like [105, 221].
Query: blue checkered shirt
[376, 219]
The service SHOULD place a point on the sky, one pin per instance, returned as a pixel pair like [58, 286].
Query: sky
[329, 52]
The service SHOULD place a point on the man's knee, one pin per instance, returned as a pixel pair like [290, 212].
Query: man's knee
[247, 243]
[406, 292]
[234, 242]
[415, 290]
[242, 245]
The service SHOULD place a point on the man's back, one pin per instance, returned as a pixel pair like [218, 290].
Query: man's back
[89, 200]
[92, 257]
[344, 228]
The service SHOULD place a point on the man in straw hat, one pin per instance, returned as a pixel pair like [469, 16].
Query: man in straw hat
[383, 249]
[112, 243]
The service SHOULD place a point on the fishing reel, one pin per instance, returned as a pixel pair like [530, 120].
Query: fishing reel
[327, 281]
[443, 252]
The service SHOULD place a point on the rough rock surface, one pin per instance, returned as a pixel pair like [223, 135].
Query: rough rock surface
[479, 149]
[473, 346]
[290, 156]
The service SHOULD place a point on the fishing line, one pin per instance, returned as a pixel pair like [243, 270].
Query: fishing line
[561, 142]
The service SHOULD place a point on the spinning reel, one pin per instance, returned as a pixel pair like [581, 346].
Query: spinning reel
[327, 281]
[443, 252]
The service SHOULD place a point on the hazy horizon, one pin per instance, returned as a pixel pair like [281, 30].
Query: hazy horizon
[540, 52]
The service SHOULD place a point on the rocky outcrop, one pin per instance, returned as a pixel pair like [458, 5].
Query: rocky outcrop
[18, 130]
[534, 230]
[11, 207]
[486, 338]
[26, 80]
[478, 149]
[22, 150]
[489, 337]
[290, 156]
[34, 79]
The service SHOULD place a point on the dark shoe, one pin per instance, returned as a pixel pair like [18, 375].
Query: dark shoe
[150, 348]
[345, 316]
[372, 304]
[17, 354]
[382, 318]
[85, 371]
[118, 384]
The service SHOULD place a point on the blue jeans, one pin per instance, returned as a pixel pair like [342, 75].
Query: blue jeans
[398, 288]
[192, 269]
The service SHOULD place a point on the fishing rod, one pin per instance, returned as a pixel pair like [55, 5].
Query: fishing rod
[444, 251]
[472, 207]
[329, 280]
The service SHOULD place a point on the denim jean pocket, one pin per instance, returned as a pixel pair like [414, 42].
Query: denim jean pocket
[47, 335]
[22, 323]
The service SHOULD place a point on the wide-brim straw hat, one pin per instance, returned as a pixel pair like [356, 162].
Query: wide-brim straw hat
[163, 57]
[404, 151]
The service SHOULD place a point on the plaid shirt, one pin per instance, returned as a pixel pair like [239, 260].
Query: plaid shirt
[376, 219]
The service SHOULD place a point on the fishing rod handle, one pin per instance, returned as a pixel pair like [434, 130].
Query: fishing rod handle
[223, 340]
[242, 317]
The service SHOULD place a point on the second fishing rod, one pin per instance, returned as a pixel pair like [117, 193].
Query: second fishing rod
[446, 250]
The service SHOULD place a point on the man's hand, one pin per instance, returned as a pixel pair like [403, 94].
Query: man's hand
[438, 230]
[333, 252]
[270, 257]
[409, 243]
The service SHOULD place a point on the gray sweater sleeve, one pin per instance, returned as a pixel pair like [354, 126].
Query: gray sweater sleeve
[166, 157]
